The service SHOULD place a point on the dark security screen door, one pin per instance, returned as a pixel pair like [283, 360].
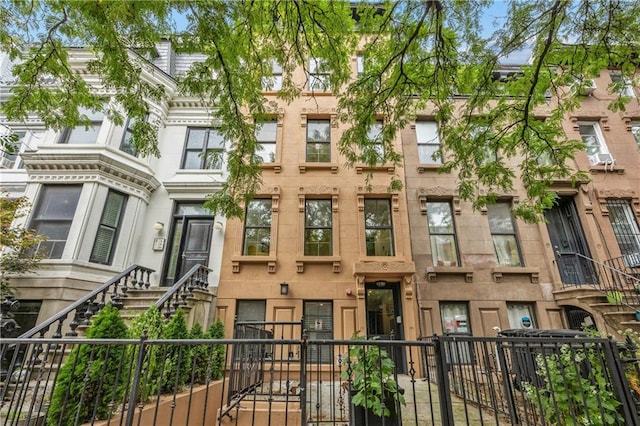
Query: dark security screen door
[189, 242]
[567, 238]
[384, 315]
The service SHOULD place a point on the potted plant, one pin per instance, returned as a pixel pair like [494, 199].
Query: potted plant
[614, 297]
[370, 371]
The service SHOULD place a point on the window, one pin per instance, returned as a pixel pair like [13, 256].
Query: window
[318, 75]
[273, 82]
[257, 228]
[251, 310]
[592, 138]
[444, 247]
[428, 142]
[266, 133]
[318, 321]
[27, 315]
[318, 141]
[521, 315]
[626, 87]
[318, 239]
[455, 320]
[203, 149]
[625, 228]
[53, 216]
[105, 242]
[10, 152]
[635, 131]
[126, 144]
[359, 65]
[374, 146]
[84, 134]
[503, 233]
[454, 317]
[378, 227]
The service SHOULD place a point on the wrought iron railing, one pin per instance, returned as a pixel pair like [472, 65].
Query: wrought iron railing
[620, 284]
[197, 278]
[449, 380]
[81, 311]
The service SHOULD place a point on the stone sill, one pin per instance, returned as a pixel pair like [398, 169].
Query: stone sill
[434, 271]
[428, 168]
[237, 261]
[335, 261]
[499, 272]
[304, 167]
[276, 167]
[360, 168]
[607, 169]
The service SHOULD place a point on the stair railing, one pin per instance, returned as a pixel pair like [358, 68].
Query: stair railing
[197, 278]
[611, 279]
[114, 290]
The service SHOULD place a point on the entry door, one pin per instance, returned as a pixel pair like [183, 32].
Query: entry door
[190, 245]
[384, 315]
[567, 238]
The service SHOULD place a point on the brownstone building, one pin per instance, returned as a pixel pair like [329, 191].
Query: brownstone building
[316, 244]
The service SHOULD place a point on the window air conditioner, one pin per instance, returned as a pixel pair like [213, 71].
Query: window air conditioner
[601, 159]
[586, 88]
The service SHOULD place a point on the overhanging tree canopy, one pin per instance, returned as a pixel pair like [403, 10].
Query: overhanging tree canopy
[418, 54]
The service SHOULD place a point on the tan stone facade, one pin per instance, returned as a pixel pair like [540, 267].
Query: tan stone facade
[476, 292]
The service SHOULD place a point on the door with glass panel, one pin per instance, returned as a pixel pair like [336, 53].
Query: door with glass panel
[568, 240]
[384, 316]
[189, 241]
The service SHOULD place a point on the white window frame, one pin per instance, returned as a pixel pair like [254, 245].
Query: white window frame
[273, 82]
[318, 76]
[269, 146]
[428, 137]
[597, 133]
[96, 119]
[516, 311]
[494, 212]
[635, 131]
[627, 89]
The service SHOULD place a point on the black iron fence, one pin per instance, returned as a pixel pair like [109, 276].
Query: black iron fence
[449, 380]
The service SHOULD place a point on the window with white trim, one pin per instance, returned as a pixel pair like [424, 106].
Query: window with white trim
[107, 235]
[318, 323]
[257, 228]
[203, 149]
[635, 131]
[428, 140]
[374, 145]
[521, 316]
[626, 86]
[84, 134]
[378, 227]
[625, 228]
[273, 82]
[318, 228]
[53, 216]
[266, 133]
[503, 233]
[592, 138]
[318, 75]
[10, 151]
[126, 145]
[442, 234]
[319, 141]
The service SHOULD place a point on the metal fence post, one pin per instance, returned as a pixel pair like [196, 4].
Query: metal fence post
[136, 380]
[442, 379]
[303, 378]
[619, 382]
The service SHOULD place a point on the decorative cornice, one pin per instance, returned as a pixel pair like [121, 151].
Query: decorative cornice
[98, 164]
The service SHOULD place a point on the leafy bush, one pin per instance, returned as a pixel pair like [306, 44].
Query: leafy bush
[201, 354]
[92, 375]
[216, 332]
[568, 395]
[152, 325]
[177, 358]
[371, 372]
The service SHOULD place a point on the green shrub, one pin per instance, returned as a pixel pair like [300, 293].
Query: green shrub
[216, 332]
[567, 395]
[177, 358]
[201, 355]
[92, 375]
[150, 323]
